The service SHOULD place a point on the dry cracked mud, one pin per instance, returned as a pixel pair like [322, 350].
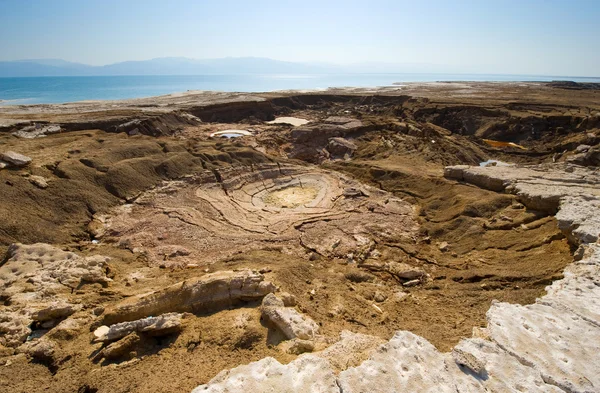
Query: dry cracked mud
[142, 254]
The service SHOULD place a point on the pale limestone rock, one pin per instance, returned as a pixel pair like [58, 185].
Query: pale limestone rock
[54, 310]
[35, 280]
[208, 293]
[562, 347]
[287, 319]
[14, 327]
[37, 131]
[350, 350]
[298, 346]
[579, 290]
[407, 363]
[49, 269]
[119, 348]
[39, 181]
[289, 300]
[101, 331]
[307, 373]
[398, 269]
[160, 325]
[578, 218]
[573, 190]
[67, 328]
[15, 159]
[42, 349]
[498, 371]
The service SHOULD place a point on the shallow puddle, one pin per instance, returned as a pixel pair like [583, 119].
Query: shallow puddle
[295, 121]
[231, 133]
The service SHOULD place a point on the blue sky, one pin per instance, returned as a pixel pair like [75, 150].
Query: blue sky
[550, 37]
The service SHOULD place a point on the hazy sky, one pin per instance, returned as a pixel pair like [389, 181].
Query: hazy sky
[551, 37]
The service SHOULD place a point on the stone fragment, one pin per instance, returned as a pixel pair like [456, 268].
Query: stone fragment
[379, 297]
[119, 348]
[211, 292]
[42, 349]
[15, 159]
[397, 269]
[307, 373]
[288, 299]
[340, 147]
[299, 346]
[101, 331]
[54, 310]
[411, 283]
[38, 181]
[157, 326]
[288, 320]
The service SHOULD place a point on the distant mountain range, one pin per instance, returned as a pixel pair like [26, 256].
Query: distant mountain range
[160, 66]
[185, 66]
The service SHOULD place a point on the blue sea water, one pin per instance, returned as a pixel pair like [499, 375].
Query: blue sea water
[43, 90]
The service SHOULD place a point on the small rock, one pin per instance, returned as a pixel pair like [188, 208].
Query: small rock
[582, 148]
[399, 296]
[3, 164]
[101, 331]
[15, 159]
[119, 348]
[411, 283]
[299, 347]
[443, 246]
[289, 300]
[379, 297]
[38, 181]
[287, 319]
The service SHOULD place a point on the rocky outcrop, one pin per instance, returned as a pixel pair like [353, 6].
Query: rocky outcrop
[305, 374]
[37, 131]
[35, 281]
[167, 124]
[317, 142]
[211, 292]
[340, 148]
[570, 192]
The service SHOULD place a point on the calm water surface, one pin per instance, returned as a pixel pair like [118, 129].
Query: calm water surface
[40, 90]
